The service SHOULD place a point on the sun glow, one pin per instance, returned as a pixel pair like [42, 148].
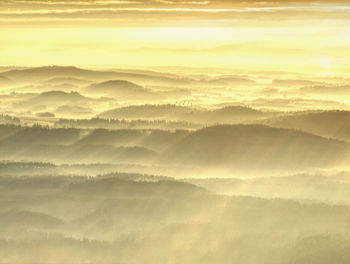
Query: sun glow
[134, 33]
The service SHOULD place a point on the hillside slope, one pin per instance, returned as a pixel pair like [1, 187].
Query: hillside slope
[335, 124]
[256, 147]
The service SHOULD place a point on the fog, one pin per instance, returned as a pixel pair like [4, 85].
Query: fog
[173, 165]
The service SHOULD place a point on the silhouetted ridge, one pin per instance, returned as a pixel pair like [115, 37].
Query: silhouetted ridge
[229, 114]
[66, 80]
[22, 219]
[123, 90]
[335, 124]
[60, 95]
[237, 109]
[248, 146]
[24, 136]
[147, 111]
[235, 114]
[53, 99]
[3, 78]
[115, 84]
[48, 72]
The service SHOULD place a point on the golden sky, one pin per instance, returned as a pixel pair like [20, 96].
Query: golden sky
[290, 35]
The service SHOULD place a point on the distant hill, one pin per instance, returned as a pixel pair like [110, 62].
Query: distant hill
[23, 137]
[107, 153]
[152, 139]
[334, 124]
[73, 110]
[54, 99]
[236, 114]
[318, 187]
[28, 136]
[125, 90]
[63, 87]
[119, 89]
[256, 147]
[4, 80]
[48, 72]
[87, 153]
[295, 82]
[59, 95]
[319, 249]
[42, 74]
[113, 86]
[149, 111]
[8, 130]
[45, 114]
[67, 80]
[229, 80]
[122, 137]
[26, 219]
[74, 146]
[229, 114]
[327, 89]
[44, 87]
[123, 217]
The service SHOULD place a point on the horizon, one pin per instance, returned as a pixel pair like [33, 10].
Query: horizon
[293, 35]
[174, 68]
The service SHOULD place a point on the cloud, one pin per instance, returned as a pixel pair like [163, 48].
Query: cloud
[215, 6]
[73, 3]
[145, 12]
[338, 90]
[282, 12]
[200, 31]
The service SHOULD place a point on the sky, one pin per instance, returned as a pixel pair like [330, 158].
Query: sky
[300, 35]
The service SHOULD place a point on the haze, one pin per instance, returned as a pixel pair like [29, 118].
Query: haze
[168, 131]
[300, 36]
